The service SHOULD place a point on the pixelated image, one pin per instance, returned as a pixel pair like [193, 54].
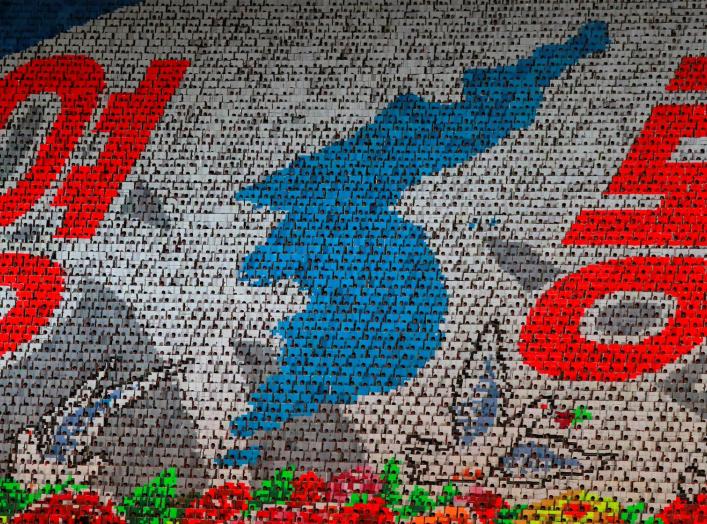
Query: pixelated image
[323, 261]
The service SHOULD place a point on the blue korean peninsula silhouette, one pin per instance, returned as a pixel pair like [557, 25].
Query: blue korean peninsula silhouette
[376, 292]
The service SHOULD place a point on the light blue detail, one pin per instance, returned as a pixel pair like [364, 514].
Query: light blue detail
[376, 292]
[76, 423]
[250, 455]
[532, 457]
[483, 407]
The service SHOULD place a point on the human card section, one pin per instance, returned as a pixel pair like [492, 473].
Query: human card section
[551, 341]
[353, 262]
[87, 192]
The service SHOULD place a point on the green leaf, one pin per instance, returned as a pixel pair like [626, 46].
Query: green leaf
[277, 490]
[15, 498]
[581, 414]
[418, 503]
[390, 477]
[632, 514]
[449, 491]
[509, 515]
[151, 503]
[358, 498]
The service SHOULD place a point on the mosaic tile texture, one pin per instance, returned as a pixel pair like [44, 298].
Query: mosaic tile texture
[353, 262]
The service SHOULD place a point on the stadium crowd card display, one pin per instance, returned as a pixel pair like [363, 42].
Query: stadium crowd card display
[353, 262]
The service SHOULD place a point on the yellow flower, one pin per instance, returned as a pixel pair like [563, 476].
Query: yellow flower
[575, 507]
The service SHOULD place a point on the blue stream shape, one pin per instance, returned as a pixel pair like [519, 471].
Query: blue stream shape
[477, 415]
[76, 423]
[25, 23]
[532, 457]
[377, 295]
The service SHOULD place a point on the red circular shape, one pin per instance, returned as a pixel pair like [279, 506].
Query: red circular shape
[551, 341]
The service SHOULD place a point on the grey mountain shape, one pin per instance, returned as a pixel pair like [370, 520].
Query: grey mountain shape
[685, 385]
[522, 263]
[322, 443]
[142, 203]
[258, 361]
[100, 335]
[141, 440]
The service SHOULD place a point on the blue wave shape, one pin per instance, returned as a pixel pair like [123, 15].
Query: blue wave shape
[377, 294]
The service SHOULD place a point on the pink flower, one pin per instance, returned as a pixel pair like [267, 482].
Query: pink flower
[360, 480]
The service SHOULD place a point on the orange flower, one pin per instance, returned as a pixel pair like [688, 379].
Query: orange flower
[446, 515]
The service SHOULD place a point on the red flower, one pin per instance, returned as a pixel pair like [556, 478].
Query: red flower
[683, 512]
[307, 490]
[485, 504]
[564, 419]
[218, 505]
[70, 508]
[577, 509]
[373, 512]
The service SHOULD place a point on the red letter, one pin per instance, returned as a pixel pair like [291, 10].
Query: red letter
[77, 81]
[38, 283]
[691, 75]
[681, 217]
[551, 341]
[129, 118]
